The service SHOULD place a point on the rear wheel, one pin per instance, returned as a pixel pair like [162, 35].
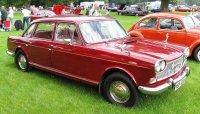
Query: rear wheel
[119, 89]
[21, 61]
[197, 54]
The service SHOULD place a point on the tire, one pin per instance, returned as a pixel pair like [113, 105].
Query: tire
[197, 54]
[21, 61]
[121, 81]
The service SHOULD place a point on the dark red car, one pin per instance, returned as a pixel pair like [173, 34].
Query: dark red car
[99, 52]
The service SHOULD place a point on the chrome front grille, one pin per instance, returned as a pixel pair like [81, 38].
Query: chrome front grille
[171, 68]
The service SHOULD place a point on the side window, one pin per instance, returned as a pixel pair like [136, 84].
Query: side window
[30, 31]
[44, 31]
[171, 24]
[67, 31]
[149, 23]
[166, 23]
[178, 25]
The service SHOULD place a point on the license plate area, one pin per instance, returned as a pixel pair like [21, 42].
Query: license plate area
[179, 83]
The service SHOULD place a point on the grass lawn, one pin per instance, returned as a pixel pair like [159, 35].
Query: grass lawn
[41, 92]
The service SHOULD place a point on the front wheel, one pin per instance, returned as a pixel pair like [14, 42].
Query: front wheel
[197, 54]
[21, 61]
[119, 89]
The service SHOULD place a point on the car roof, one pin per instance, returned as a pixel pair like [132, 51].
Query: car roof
[72, 18]
[174, 15]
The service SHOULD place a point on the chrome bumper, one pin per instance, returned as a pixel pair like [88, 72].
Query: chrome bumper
[10, 53]
[165, 86]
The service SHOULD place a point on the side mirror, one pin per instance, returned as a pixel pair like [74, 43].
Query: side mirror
[136, 34]
[67, 41]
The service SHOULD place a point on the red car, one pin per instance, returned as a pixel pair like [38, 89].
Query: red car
[179, 29]
[99, 52]
[183, 9]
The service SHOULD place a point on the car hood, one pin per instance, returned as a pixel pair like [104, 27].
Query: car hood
[142, 49]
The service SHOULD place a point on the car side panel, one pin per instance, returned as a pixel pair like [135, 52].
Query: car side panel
[39, 51]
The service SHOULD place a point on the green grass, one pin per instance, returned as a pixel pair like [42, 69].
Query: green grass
[40, 92]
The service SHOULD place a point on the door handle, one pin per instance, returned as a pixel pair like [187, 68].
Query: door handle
[53, 46]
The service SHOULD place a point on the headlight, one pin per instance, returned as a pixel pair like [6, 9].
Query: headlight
[187, 52]
[160, 65]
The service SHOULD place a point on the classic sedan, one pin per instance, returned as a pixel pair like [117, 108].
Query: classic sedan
[174, 28]
[99, 52]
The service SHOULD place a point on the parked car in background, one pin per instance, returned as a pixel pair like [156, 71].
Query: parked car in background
[183, 9]
[197, 15]
[155, 10]
[112, 7]
[42, 14]
[180, 29]
[195, 8]
[130, 10]
[99, 52]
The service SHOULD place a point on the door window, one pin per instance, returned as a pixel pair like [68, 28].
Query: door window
[67, 31]
[149, 23]
[44, 31]
[170, 24]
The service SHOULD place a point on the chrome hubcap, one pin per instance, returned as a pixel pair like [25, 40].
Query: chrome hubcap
[198, 55]
[22, 62]
[119, 91]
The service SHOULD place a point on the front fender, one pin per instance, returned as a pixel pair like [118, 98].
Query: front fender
[194, 46]
[134, 33]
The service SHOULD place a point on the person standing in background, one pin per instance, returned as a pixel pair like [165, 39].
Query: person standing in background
[10, 15]
[26, 13]
[4, 15]
[0, 20]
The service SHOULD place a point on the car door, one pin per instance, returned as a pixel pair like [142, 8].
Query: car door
[171, 30]
[39, 44]
[68, 54]
[148, 28]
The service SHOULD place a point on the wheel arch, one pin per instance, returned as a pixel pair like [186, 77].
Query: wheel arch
[194, 47]
[21, 48]
[113, 70]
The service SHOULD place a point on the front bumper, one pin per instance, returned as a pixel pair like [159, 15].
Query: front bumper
[161, 88]
[10, 53]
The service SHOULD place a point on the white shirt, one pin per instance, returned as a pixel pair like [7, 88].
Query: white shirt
[26, 13]
[10, 13]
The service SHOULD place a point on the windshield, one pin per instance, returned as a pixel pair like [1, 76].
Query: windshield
[196, 21]
[189, 23]
[100, 31]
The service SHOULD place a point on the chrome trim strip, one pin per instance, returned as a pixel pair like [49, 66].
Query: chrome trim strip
[10, 53]
[165, 86]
